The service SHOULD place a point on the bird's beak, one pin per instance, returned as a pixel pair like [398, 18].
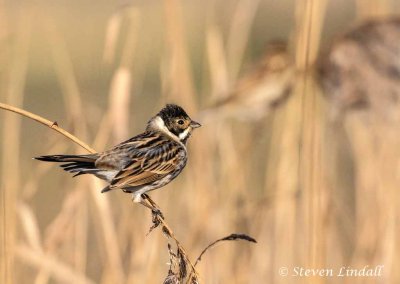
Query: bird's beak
[195, 124]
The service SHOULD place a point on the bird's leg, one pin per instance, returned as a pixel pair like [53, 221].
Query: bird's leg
[147, 197]
[144, 201]
[147, 204]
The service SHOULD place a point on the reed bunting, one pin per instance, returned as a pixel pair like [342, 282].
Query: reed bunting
[143, 163]
[264, 86]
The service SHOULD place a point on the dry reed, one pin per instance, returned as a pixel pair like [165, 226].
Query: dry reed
[11, 147]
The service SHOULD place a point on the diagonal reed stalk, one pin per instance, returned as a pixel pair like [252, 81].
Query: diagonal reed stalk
[52, 124]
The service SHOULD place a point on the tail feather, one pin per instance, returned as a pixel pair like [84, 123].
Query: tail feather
[78, 164]
[68, 158]
[107, 188]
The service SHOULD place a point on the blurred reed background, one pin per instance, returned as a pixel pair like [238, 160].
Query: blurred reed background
[316, 189]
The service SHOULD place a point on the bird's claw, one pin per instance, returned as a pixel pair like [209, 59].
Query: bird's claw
[157, 213]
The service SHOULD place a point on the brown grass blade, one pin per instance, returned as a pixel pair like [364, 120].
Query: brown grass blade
[231, 237]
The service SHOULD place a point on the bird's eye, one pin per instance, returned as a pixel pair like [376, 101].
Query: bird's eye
[181, 122]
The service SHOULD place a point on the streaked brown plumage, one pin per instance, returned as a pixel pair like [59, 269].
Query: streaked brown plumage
[143, 163]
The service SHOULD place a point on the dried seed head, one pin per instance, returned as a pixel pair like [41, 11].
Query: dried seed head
[182, 264]
[172, 279]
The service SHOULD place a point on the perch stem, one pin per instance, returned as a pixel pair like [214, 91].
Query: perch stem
[51, 124]
[172, 235]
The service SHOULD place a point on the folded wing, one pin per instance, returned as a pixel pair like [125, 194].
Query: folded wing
[156, 164]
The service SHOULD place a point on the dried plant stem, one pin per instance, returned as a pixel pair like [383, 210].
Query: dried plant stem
[51, 124]
[232, 237]
[311, 159]
[158, 219]
[59, 270]
[18, 48]
[239, 34]
[180, 74]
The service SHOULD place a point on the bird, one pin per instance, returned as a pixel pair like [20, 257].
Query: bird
[360, 69]
[260, 89]
[143, 163]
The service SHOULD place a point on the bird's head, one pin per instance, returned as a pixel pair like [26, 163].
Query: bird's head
[173, 121]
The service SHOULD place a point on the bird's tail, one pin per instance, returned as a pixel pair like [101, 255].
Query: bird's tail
[77, 164]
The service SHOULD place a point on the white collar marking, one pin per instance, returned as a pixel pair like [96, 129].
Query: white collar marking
[158, 124]
[184, 134]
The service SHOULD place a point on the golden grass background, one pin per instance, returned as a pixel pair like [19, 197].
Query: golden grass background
[313, 195]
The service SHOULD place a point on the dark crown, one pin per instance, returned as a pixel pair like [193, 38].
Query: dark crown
[171, 111]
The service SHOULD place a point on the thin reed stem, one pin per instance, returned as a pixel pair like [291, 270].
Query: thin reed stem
[51, 124]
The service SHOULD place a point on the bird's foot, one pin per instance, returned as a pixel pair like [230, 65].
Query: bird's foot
[156, 218]
[157, 213]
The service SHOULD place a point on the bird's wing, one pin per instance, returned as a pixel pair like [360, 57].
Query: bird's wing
[125, 153]
[157, 162]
